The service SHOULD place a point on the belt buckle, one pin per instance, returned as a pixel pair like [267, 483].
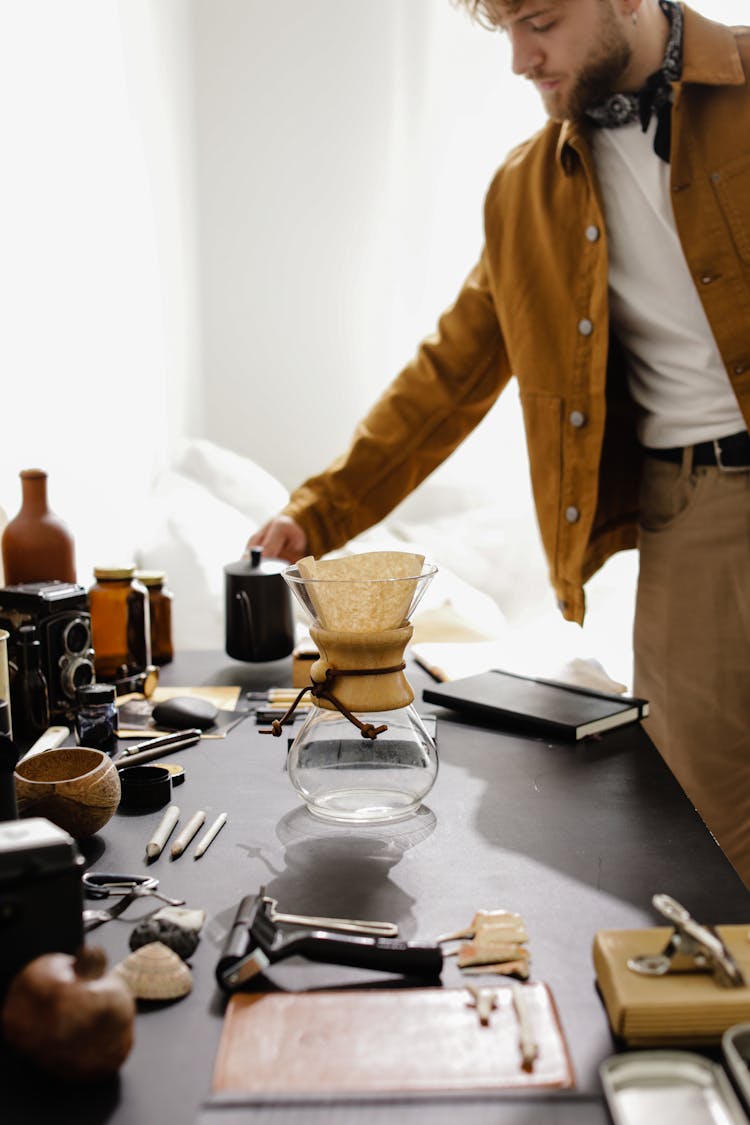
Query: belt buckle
[720, 464]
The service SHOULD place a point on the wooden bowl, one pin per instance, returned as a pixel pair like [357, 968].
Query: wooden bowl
[75, 787]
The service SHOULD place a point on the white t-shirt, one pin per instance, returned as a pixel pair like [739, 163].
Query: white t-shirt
[676, 374]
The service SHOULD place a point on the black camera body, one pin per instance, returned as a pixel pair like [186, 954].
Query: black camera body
[41, 896]
[59, 611]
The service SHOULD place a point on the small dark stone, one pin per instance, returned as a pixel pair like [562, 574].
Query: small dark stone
[185, 711]
[182, 941]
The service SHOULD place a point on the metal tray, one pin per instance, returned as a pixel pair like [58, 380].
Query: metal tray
[735, 1043]
[644, 1087]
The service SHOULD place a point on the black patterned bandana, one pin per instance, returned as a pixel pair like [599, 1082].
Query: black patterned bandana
[655, 97]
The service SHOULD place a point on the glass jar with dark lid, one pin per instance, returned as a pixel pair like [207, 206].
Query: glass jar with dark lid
[96, 717]
[120, 622]
[160, 609]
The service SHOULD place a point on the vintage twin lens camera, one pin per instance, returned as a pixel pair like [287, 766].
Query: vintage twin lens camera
[60, 613]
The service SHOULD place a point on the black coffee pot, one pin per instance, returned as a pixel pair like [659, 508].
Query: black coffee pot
[258, 609]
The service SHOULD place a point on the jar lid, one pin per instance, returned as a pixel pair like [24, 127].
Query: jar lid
[96, 693]
[145, 787]
[151, 577]
[114, 571]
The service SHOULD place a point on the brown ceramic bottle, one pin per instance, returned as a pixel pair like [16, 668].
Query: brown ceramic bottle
[37, 546]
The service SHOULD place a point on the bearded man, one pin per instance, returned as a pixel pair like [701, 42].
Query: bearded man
[615, 286]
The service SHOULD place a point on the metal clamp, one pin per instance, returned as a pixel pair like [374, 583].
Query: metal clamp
[691, 948]
[102, 884]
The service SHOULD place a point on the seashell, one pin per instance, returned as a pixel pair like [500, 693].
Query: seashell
[189, 919]
[155, 972]
[175, 937]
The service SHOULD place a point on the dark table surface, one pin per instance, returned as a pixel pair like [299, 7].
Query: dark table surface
[577, 838]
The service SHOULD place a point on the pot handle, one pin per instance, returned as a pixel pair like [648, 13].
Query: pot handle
[247, 618]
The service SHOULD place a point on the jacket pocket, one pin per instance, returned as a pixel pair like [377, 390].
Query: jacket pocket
[732, 185]
[542, 416]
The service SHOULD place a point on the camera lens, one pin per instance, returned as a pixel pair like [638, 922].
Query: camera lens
[77, 636]
[75, 674]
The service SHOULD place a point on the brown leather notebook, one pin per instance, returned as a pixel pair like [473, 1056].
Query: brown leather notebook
[376, 1042]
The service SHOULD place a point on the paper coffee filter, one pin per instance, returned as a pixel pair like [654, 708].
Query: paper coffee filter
[362, 593]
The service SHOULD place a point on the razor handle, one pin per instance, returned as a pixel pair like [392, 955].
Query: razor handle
[388, 955]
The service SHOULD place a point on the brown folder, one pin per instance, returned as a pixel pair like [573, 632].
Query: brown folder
[376, 1042]
[678, 1009]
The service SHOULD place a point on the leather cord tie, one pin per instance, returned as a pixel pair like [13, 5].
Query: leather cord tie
[324, 690]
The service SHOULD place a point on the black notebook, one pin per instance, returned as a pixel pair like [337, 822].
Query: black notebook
[522, 702]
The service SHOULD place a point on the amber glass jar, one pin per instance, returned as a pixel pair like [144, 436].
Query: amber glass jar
[120, 622]
[160, 608]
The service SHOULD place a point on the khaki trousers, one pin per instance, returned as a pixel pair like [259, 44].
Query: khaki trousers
[692, 639]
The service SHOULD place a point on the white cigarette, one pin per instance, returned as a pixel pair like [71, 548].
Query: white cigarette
[526, 1040]
[161, 835]
[184, 838]
[210, 835]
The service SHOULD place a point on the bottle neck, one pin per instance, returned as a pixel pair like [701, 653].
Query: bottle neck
[34, 492]
[29, 658]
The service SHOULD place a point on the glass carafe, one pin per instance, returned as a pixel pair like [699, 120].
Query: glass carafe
[363, 754]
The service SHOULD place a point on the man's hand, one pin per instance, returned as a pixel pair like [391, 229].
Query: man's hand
[281, 538]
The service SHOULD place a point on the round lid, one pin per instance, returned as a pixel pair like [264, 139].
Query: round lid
[96, 693]
[151, 577]
[114, 571]
[256, 566]
[145, 787]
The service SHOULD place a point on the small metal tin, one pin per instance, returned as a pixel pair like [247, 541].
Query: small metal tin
[680, 1086]
[735, 1043]
[145, 787]
[177, 773]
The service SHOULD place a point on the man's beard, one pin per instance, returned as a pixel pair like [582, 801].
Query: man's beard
[598, 76]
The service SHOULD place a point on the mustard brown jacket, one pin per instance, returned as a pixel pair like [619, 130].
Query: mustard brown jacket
[536, 307]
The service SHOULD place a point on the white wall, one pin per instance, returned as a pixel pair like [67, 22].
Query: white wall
[343, 154]
[97, 277]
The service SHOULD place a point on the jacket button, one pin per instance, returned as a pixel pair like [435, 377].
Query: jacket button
[592, 233]
[585, 327]
[572, 514]
[577, 418]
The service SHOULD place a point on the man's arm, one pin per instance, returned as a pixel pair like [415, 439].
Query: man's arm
[434, 403]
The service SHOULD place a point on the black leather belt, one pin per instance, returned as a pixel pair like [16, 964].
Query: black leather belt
[732, 453]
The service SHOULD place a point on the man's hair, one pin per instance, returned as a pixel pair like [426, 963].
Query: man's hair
[486, 12]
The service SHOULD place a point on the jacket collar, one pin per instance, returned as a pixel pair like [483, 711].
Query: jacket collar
[710, 57]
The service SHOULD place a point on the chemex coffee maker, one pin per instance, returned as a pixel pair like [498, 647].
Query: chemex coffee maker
[363, 754]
